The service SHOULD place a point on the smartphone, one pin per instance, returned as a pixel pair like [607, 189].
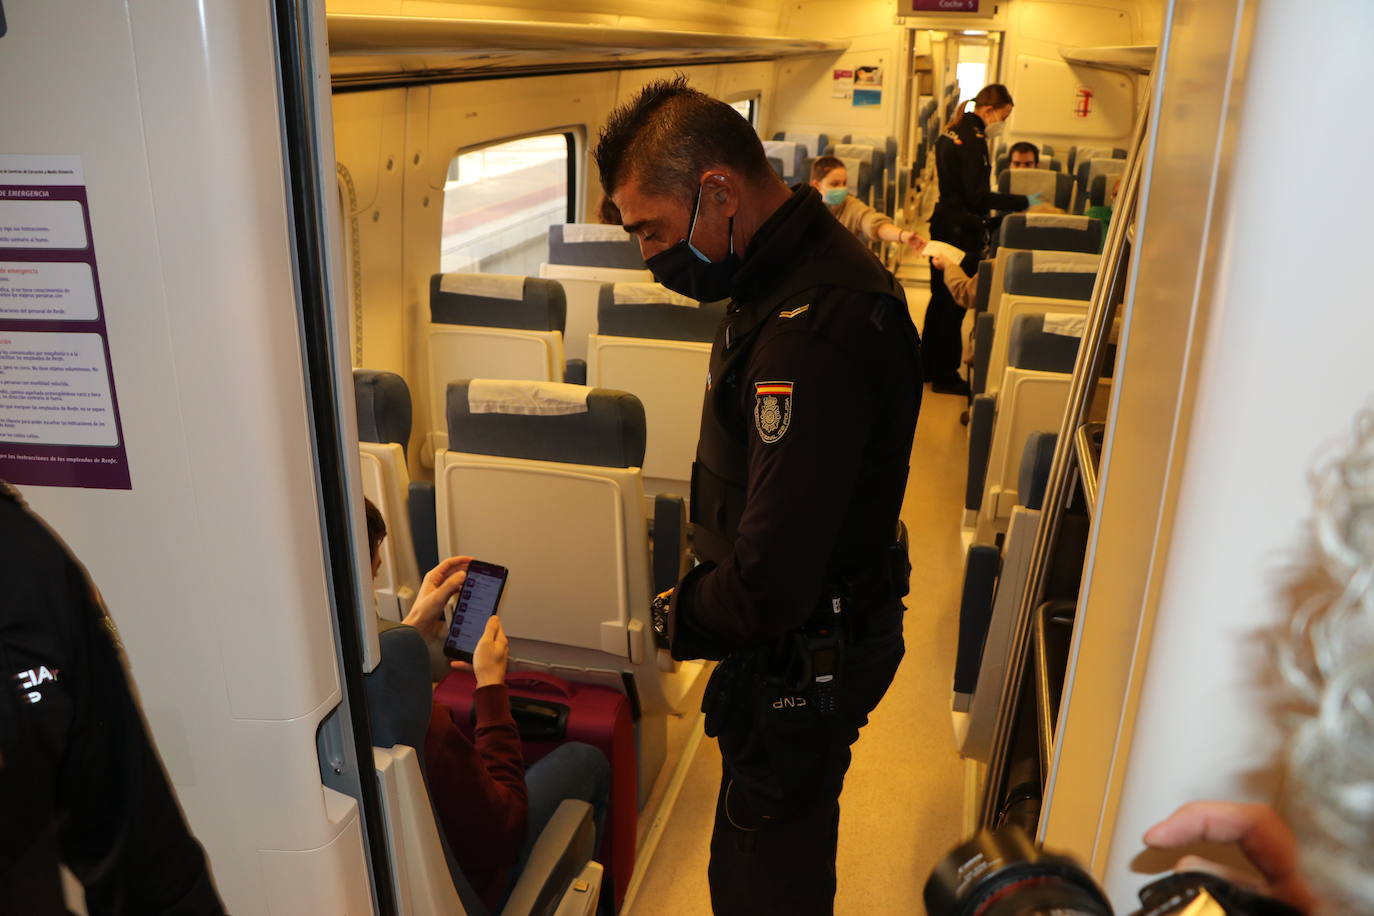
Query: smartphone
[475, 605]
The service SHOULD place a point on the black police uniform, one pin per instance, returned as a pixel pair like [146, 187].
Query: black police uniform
[960, 218]
[806, 432]
[80, 783]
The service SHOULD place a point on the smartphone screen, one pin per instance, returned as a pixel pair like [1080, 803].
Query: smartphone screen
[477, 601]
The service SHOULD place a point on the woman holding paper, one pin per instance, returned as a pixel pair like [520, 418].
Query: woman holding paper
[960, 218]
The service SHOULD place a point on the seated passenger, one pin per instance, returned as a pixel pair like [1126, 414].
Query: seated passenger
[1024, 155]
[490, 807]
[830, 177]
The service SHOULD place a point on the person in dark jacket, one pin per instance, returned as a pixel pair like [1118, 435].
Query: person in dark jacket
[80, 782]
[809, 410]
[964, 170]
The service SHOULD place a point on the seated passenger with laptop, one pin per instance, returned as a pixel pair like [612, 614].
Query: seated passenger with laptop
[490, 807]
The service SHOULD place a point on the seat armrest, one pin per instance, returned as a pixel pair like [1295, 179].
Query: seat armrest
[981, 418]
[424, 525]
[575, 372]
[559, 856]
[669, 540]
[581, 898]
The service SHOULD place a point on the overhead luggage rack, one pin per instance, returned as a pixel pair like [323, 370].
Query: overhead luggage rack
[371, 51]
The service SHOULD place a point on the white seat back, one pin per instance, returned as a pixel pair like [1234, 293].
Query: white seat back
[387, 483]
[582, 285]
[462, 351]
[669, 377]
[424, 884]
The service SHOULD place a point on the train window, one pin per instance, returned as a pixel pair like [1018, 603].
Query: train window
[499, 201]
[749, 108]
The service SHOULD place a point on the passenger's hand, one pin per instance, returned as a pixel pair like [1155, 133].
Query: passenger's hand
[1259, 833]
[440, 584]
[491, 655]
[913, 241]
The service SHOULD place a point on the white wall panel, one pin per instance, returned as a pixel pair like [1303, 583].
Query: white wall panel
[212, 565]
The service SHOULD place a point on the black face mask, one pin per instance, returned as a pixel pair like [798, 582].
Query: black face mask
[688, 272]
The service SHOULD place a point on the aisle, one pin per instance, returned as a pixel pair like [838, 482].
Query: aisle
[902, 803]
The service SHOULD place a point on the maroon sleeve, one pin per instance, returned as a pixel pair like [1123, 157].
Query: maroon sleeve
[479, 789]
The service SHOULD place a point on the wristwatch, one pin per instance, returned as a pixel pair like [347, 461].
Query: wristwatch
[658, 613]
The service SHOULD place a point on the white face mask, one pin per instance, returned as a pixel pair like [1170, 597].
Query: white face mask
[994, 130]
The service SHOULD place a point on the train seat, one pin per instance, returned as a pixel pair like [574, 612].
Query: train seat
[546, 479]
[1032, 395]
[428, 880]
[1079, 154]
[1088, 172]
[990, 598]
[869, 192]
[1104, 190]
[814, 143]
[1055, 187]
[657, 346]
[791, 153]
[1035, 282]
[1040, 232]
[490, 326]
[582, 256]
[384, 415]
[775, 164]
[887, 149]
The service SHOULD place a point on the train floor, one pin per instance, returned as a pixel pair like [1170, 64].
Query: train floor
[904, 798]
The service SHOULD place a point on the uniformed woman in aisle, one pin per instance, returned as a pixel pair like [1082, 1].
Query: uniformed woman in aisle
[964, 169]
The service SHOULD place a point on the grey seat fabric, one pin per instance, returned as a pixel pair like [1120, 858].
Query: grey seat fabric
[983, 291]
[1032, 347]
[1036, 458]
[610, 434]
[383, 403]
[1022, 279]
[776, 165]
[656, 320]
[623, 254]
[544, 307]
[1066, 234]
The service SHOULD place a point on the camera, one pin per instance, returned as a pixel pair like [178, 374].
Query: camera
[1004, 873]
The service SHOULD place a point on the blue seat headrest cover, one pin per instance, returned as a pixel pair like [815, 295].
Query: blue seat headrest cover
[383, 404]
[399, 691]
[543, 307]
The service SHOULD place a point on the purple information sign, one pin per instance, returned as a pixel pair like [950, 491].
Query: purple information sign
[944, 6]
[59, 417]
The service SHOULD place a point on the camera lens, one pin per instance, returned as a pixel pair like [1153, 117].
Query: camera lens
[1003, 873]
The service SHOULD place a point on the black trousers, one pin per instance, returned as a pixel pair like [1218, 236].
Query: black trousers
[941, 343]
[783, 766]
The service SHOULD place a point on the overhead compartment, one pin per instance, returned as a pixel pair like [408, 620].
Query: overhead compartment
[371, 51]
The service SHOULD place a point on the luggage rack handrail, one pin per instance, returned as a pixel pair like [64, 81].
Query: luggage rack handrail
[1088, 368]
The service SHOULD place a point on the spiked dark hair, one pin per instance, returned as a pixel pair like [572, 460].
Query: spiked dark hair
[669, 134]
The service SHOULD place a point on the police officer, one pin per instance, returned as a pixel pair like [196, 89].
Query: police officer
[80, 783]
[960, 218]
[806, 431]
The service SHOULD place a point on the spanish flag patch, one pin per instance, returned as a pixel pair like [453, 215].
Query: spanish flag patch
[772, 410]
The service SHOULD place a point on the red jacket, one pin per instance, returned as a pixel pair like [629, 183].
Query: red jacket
[479, 790]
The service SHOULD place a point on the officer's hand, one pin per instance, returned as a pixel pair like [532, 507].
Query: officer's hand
[939, 263]
[490, 657]
[440, 584]
[1259, 833]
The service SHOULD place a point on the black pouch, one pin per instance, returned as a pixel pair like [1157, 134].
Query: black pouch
[721, 696]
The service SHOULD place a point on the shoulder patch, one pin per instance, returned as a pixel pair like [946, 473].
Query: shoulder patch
[793, 313]
[772, 410]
